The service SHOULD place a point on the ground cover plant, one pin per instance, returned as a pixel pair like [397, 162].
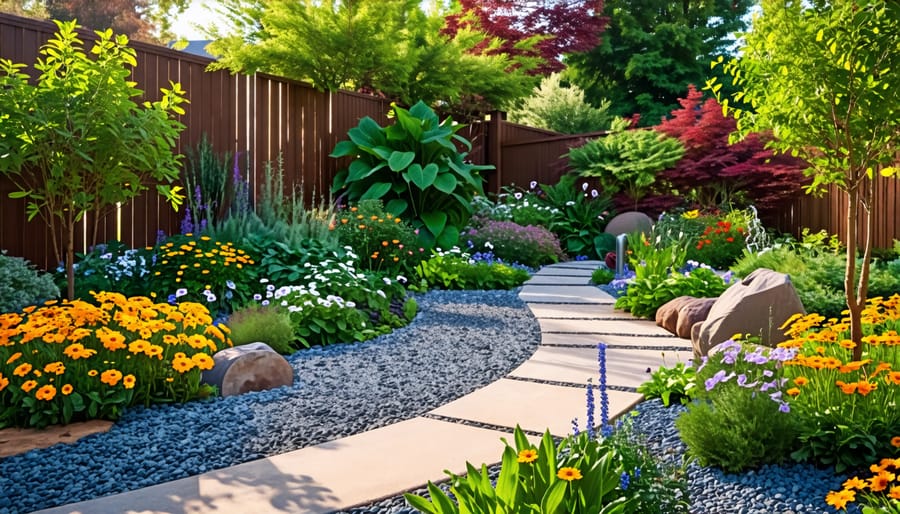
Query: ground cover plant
[21, 284]
[456, 269]
[70, 361]
[531, 246]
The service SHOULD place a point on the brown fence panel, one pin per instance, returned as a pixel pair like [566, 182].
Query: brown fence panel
[533, 154]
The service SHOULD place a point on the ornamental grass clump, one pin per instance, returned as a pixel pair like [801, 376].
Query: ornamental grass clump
[849, 410]
[72, 361]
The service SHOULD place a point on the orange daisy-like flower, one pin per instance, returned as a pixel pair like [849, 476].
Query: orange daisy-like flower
[840, 499]
[29, 385]
[57, 368]
[77, 351]
[66, 390]
[154, 350]
[895, 441]
[46, 393]
[848, 344]
[569, 474]
[893, 377]
[182, 364]
[794, 391]
[203, 361]
[855, 483]
[12, 358]
[845, 387]
[111, 377]
[801, 381]
[92, 373]
[3, 382]
[895, 492]
[865, 387]
[111, 339]
[528, 456]
[881, 481]
[22, 369]
[128, 381]
[138, 346]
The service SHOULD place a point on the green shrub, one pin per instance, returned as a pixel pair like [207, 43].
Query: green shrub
[553, 106]
[265, 324]
[670, 384]
[579, 217]
[285, 264]
[531, 246]
[415, 168]
[719, 245]
[740, 417]
[384, 242]
[602, 275]
[454, 270]
[21, 284]
[645, 295]
[111, 267]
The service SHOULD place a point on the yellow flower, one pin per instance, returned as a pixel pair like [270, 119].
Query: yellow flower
[29, 385]
[528, 456]
[77, 351]
[66, 390]
[128, 381]
[92, 373]
[794, 391]
[12, 358]
[881, 481]
[139, 346]
[182, 364]
[895, 492]
[22, 369]
[56, 368]
[801, 381]
[154, 350]
[111, 339]
[840, 499]
[46, 393]
[203, 361]
[690, 215]
[111, 377]
[569, 474]
[854, 483]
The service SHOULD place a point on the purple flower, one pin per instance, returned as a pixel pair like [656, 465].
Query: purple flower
[624, 481]
[719, 377]
[784, 407]
[604, 394]
[590, 410]
[187, 224]
[574, 426]
[756, 357]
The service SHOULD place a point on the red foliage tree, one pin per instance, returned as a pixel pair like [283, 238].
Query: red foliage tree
[122, 16]
[713, 173]
[569, 26]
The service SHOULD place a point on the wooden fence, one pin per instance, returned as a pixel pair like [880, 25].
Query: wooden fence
[260, 117]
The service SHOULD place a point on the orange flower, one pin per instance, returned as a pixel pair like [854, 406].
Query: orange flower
[29, 385]
[46, 393]
[57, 368]
[854, 483]
[801, 381]
[182, 364]
[895, 441]
[895, 492]
[840, 499]
[794, 391]
[528, 456]
[848, 344]
[881, 481]
[92, 373]
[3, 382]
[893, 377]
[111, 377]
[12, 358]
[111, 339]
[66, 390]
[128, 381]
[865, 387]
[846, 388]
[22, 369]
[77, 351]
[569, 474]
[203, 361]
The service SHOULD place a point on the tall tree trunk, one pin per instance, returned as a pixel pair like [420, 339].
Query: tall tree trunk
[853, 303]
[69, 241]
[862, 289]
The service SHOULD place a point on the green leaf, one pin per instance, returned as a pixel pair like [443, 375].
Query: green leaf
[421, 504]
[376, 191]
[448, 238]
[397, 206]
[553, 498]
[445, 183]
[19, 194]
[423, 177]
[344, 149]
[401, 160]
[434, 221]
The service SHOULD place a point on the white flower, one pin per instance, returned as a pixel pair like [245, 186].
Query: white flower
[294, 308]
[350, 305]
[270, 287]
[263, 281]
[518, 196]
[387, 281]
[488, 245]
[594, 193]
[570, 203]
[265, 302]
[181, 292]
[584, 187]
[257, 297]
[533, 184]
[211, 297]
[401, 279]
[229, 284]
[381, 293]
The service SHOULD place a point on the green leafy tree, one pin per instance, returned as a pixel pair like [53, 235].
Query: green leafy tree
[553, 106]
[389, 47]
[652, 49]
[626, 161]
[825, 78]
[75, 141]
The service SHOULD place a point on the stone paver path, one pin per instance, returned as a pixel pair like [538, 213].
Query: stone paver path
[544, 393]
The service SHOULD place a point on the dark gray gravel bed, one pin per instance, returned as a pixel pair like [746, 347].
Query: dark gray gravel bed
[790, 489]
[459, 342]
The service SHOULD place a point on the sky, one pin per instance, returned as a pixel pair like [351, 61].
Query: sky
[198, 13]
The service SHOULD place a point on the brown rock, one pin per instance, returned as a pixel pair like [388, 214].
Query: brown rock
[667, 314]
[757, 306]
[14, 441]
[691, 313]
[249, 367]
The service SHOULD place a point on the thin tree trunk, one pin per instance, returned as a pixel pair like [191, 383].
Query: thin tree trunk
[853, 304]
[69, 241]
[862, 289]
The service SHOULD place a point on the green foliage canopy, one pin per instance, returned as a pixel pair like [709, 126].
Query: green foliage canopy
[825, 78]
[391, 47]
[652, 49]
[75, 141]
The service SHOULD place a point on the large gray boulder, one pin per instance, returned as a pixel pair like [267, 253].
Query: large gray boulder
[249, 367]
[757, 305]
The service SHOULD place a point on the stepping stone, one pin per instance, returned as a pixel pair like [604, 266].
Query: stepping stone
[624, 367]
[14, 441]
[533, 406]
[591, 265]
[554, 280]
[597, 311]
[564, 294]
[591, 340]
[627, 326]
[565, 272]
[320, 479]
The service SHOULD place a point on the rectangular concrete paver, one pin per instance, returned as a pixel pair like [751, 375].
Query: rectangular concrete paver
[625, 325]
[564, 294]
[572, 310]
[614, 340]
[567, 272]
[547, 280]
[319, 479]
[533, 406]
[624, 367]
